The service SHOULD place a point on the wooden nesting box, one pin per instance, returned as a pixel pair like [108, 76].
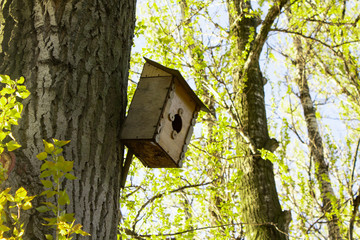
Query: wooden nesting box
[161, 117]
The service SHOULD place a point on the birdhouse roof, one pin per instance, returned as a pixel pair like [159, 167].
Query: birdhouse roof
[181, 80]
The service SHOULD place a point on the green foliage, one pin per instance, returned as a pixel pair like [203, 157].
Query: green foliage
[10, 109]
[54, 170]
[20, 201]
[10, 112]
[194, 37]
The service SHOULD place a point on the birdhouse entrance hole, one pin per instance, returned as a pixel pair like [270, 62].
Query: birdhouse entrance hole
[177, 123]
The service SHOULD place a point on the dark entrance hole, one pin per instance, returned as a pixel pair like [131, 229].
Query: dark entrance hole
[177, 123]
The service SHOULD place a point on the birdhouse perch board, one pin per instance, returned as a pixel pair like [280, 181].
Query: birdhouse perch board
[161, 117]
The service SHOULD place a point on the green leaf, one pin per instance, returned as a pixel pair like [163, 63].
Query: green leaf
[49, 194]
[45, 174]
[21, 193]
[70, 176]
[49, 204]
[27, 206]
[77, 230]
[21, 80]
[12, 145]
[47, 183]
[42, 209]
[23, 94]
[3, 101]
[6, 79]
[47, 165]
[42, 156]
[49, 148]
[68, 217]
[7, 90]
[10, 198]
[14, 216]
[3, 135]
[4, 192]
[52, 221]
[67, 166]
[63, 198]
[4, 228]
[58, 151]
[49, 237]
[60, 143]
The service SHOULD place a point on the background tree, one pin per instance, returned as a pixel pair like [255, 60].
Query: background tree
[321, 98]
[75, 58]
[198, 37]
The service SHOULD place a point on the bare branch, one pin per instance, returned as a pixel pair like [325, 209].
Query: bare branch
[137, 219]
[142, 236]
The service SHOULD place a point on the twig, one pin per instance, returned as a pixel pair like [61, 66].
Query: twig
[136, 220]
[354, 163]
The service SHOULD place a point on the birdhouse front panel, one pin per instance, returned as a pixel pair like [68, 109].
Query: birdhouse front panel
[177, 119]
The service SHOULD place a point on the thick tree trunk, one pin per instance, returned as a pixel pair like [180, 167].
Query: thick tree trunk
[260, 207]
[75, 56]
[316, 145]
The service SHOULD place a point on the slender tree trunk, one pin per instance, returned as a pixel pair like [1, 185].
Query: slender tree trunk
[260, 207]
[75, 56]
[322, 173]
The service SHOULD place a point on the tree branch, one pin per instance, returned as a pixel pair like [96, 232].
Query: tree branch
[143, 236]
[315, 39]
[356, 204]
[261, 37]
[354, 163]
[136, 220]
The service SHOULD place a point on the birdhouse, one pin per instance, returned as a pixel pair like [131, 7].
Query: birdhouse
[161, 117]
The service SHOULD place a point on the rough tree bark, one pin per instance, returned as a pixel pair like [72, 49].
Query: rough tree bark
[322, 173]
[75, 56]
[260, 207]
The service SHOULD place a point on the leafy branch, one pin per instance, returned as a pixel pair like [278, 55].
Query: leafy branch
[54, 171]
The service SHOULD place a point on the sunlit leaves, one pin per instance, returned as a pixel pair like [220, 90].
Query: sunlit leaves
[201, 48]
[176, 39]
[12, 145]
[54, 170]
[10, 112]
[19, 201]
[10, 109]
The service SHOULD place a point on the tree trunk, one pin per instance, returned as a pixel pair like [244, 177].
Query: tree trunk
[260, 207]
[74, 55]
[316, 145]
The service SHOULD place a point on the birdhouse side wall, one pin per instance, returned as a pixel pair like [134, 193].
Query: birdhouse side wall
[146, 108]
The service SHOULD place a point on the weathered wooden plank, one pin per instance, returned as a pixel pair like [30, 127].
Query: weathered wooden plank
[151, 154]
[181, 100]
[145, 109]
[151, 71]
